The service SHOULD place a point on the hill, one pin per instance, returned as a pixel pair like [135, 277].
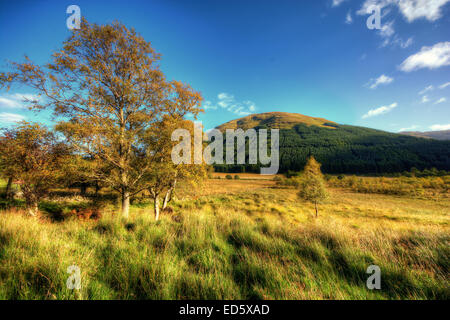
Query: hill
[438, 135]
[342, 148]
[279, 120]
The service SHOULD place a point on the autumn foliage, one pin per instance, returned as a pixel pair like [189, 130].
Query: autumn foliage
[107, 90]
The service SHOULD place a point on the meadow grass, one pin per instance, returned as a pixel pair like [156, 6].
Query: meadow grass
[259, 244]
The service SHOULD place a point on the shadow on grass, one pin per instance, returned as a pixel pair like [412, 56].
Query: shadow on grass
[6, 204]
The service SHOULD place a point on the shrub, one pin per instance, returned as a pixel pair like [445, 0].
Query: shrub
[289, 182]
[236, 177]
[290, 174]
[229, 177]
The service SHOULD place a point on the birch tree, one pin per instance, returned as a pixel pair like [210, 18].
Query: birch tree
[106, 87]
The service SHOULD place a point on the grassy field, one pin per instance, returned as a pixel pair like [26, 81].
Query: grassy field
[235, 239]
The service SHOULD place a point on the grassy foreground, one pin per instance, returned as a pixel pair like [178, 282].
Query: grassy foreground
[263, 244]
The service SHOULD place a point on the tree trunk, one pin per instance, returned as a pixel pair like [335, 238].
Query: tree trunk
[156, 205]
[8, 188]
[317, 212]
[97, 189]
[83, 188]
[167, 198]
[125, 204]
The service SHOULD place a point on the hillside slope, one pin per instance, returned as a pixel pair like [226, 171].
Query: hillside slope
[278, 120]
[342, 148]
[438, 135]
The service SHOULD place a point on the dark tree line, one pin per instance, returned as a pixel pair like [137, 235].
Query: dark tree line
[356, 150]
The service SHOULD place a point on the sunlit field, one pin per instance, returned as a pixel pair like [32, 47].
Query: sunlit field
[231, 239]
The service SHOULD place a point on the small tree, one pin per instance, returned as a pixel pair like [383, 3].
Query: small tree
[312, 186]
[34, 157]
[166, 175]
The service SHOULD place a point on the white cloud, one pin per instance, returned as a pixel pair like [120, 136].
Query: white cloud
[441, 100]
[410, 9]
[6, 117]
[429, 88]
[383, 79]
[413, 127]
[428, 57]
[416, 9]
[348, 18]
[228, 102]
[425, 99]
[445, 85]
[438, 127]
[336, 3]
[380, 110]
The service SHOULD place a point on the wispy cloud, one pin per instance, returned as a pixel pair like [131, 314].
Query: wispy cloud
[380, 110]
[228, 102]
[387, 32]
[441, 100]
[425, 99]
[429, 88]
[445, 85]
[9, 103]
[6, 117]
[438, 127]
[428, 57]
[402, 43]
[381, 80]
[387, 29]
[348, 18]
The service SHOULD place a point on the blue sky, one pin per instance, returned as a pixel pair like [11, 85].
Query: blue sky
[315, 57]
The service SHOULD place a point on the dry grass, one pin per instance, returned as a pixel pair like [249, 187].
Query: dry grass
[243, 240]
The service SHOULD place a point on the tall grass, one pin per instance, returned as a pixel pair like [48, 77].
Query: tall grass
[259, 245]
